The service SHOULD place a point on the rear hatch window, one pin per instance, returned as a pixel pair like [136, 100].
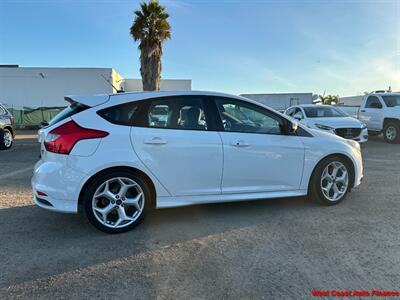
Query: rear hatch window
[71, 110]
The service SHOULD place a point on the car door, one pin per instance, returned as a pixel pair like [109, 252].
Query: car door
[258, 154]
[372, 113]
[174, 141]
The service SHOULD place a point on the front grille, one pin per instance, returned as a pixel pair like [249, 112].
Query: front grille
[348, 133]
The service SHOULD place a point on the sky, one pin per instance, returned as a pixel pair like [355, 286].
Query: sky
[255, 46]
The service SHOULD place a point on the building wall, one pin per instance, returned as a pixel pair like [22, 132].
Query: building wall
[135, 85]
[351, 100]
[281, 101]
[44, 87]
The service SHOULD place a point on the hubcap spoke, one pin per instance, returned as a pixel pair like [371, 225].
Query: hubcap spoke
[105, 211]
[134, 201]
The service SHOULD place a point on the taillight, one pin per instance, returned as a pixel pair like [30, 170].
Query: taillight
[63, 138]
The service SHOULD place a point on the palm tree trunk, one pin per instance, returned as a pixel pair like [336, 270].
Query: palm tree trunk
[150, 67]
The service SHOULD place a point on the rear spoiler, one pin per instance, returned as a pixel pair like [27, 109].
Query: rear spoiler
[90, 101]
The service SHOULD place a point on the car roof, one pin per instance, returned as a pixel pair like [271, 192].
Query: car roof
[120, 98]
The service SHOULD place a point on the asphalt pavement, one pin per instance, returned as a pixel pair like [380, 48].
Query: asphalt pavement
[269, 249]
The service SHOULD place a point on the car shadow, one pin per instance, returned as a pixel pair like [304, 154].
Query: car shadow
[36, 243]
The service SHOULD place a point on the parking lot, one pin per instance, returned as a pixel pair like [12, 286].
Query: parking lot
[282, 248]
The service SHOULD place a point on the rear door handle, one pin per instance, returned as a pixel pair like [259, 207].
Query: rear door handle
[240, 143]
[363, 110]
[155, 141]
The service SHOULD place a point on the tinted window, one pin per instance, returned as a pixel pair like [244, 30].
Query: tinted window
[177, 113]
[323, 112]
[373, 102]
[120, 114]
[392, 101]
[239, 116]
[71, 110]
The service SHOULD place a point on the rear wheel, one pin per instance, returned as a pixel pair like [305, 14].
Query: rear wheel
[6, 139]
[391, 133]
[117, 201]
[331, 181]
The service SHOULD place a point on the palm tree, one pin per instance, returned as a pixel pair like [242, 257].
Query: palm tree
[151, 28]
[329, 99]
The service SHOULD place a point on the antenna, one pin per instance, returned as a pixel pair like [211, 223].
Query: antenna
[108, 81]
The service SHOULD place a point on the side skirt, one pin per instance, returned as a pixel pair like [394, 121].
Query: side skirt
[165, 202]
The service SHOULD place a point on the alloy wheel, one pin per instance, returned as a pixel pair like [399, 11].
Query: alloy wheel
[7, 138]
[334, 181]
[118, 202]
[391, 133]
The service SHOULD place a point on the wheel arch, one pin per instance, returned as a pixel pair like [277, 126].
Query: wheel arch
[390, 120]
[11, 129]
[348, 161]
[142, 174]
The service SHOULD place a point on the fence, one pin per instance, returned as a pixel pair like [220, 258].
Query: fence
[30, 118]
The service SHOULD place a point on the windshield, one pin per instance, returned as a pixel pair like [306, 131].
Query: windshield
[392, 100]
[323, 112]
[71, 110]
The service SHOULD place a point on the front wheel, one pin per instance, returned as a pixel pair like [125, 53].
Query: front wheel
[330, 181]
[391, 133]
[117, 201]
[6, 139]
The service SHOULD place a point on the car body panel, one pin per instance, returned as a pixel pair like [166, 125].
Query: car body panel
[187, 162]
[263, 163]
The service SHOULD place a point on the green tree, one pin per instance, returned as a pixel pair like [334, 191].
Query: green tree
[329, 99]
[151, 29]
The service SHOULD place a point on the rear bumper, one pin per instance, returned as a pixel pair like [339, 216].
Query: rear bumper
[59, 184]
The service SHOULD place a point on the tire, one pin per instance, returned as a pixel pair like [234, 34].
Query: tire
[320, 179]
[6, 139]
[391, 132]
[104, 210]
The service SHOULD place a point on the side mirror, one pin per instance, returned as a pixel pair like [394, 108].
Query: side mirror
[292, 127]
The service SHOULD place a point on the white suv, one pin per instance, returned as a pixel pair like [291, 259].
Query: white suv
[118, 155]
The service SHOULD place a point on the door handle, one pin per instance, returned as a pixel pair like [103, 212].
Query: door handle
[363, 110]
[155, 141]
[240, 143]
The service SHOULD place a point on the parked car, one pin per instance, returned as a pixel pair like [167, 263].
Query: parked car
[7, 131]
[109, 155]
[331, 119]
[381, 113]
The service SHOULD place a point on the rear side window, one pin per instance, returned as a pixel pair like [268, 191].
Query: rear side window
[180, 112]
[120, 114]
[71, 110]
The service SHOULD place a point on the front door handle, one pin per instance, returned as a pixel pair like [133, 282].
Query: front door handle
[363, 110]
[240, 143]
[155, 141]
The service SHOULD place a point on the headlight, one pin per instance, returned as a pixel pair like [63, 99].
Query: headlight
[324, 127]
[354, 144]
[363, 126]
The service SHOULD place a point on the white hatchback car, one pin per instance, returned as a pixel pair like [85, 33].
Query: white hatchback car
[331, 119]
[118, 155]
